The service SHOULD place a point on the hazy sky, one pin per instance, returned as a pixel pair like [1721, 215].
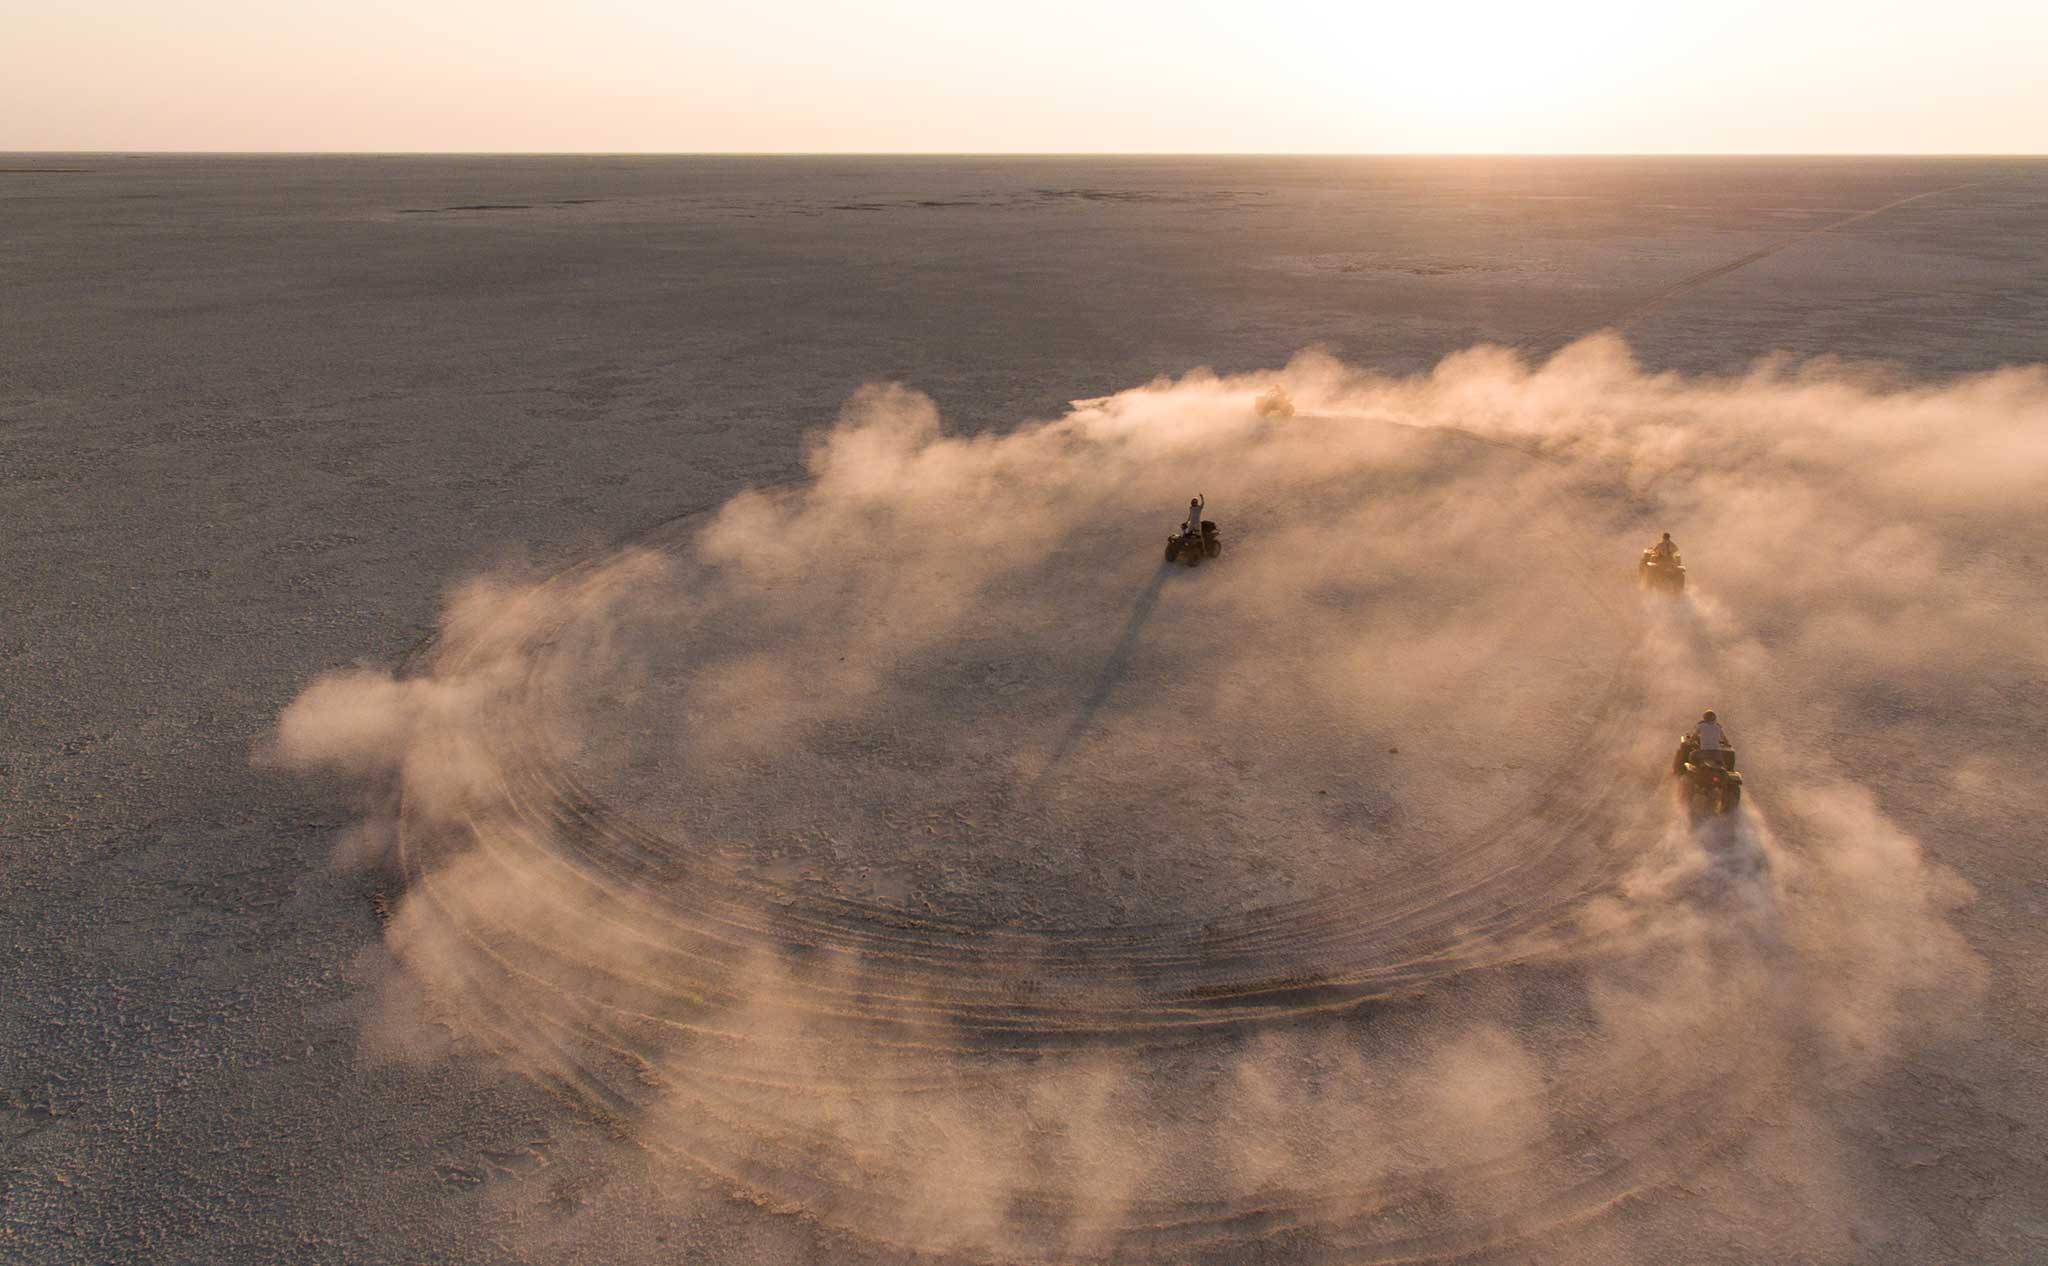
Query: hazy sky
[1885, 76]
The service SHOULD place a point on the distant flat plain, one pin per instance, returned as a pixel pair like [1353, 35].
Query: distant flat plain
[258, 413]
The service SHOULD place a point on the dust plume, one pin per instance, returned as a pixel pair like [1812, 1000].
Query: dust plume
[911, 849]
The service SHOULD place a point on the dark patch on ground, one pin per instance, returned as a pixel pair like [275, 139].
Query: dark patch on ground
[473, 206]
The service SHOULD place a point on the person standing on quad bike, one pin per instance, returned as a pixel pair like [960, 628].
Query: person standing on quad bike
[1197, 538]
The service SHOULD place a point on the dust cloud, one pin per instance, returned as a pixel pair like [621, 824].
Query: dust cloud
[911, 849]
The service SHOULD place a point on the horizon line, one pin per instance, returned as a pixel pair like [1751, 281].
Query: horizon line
[715, 153]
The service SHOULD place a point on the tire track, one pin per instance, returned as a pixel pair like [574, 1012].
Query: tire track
[657, 1025]
[1665, 297]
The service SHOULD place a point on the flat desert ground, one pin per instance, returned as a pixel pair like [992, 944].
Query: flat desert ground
[629, 710]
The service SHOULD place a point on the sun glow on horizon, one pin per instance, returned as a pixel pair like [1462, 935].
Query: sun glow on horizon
[1476, 74]
[1043, 76]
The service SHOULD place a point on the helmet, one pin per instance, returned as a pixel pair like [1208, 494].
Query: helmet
[1708, 715]
[1667, 536]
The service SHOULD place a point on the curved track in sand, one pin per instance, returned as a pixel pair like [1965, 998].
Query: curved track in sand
[654, 1034]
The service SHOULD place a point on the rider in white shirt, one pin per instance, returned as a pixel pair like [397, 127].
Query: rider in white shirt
[1711, 736]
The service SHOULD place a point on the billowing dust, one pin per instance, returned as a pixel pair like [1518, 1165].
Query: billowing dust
[913, 850]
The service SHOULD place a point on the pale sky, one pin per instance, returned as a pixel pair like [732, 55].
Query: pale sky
[1047, 76]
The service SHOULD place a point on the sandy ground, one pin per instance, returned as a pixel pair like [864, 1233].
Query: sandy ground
[260, 417]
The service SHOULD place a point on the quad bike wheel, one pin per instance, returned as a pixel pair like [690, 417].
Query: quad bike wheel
[1172, 548]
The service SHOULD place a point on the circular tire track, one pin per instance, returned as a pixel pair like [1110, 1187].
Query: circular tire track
[659, 1037]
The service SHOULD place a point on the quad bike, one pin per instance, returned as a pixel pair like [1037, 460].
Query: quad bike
[1661, 571]
[1185, 547]
[1708, 780]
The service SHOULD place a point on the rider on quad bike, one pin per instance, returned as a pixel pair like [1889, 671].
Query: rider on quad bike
[1705, 766]
[1197, 537]
[1661, 565]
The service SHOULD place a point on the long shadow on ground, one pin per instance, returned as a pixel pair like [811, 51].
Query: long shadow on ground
[1113, 670]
